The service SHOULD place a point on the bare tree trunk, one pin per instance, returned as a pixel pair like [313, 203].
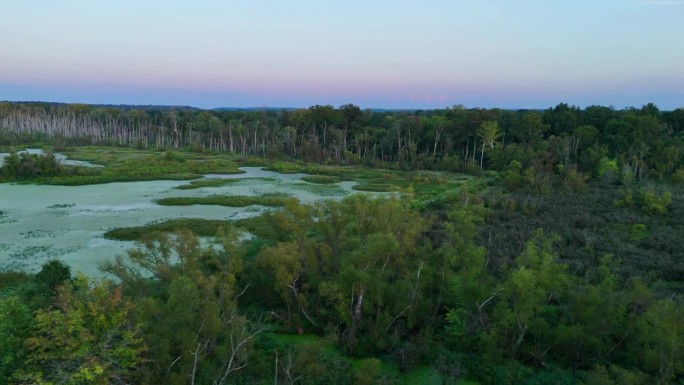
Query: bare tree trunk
[482, 155]
[438, 134]
[356, 317]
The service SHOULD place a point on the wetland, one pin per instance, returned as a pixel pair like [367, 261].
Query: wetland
[78, 222]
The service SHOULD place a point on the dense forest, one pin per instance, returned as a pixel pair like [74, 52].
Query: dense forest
[564, 266]
[566, 141]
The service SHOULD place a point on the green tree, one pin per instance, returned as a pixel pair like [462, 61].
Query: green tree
[53, 274]
[534, 286]
[529, 129]
[659, 342]
[203, 338]
[87, 338]
[474, 288]
[15, 324]
[489, 132]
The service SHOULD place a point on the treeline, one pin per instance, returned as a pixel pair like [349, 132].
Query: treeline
[634, 143]
[366, 278]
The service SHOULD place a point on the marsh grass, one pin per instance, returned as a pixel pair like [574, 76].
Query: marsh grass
[271, 200]
[418, 183]
[325, 190]
[219, 182]
[321, 179]
[376, 187]
[317, 170]
[199, 226]
[251, 161]
[83, 180]
[128, 165]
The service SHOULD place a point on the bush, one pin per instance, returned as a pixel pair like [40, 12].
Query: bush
[52, 274]
[678, 176]
[28, 166]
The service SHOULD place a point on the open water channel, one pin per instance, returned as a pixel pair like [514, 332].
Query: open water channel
[40, 222]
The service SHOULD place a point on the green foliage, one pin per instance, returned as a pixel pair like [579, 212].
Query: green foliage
[53, 274]
[126, 165]
[203, 336]
[285, 168]
[638, 231]
[170, 156]
[627, 200]
[338, 255]
[591, 223]
[533, 283]
[659, 342]
[575, 181]
[615, 375]
[647, 200]
[25, 166]
[383, 283]
[87, 338]
[15, 324]
[607, 168]
[511, 175]
[678, 176]
[642, 143]
[651, 203]
[466, 284]
[367, 372]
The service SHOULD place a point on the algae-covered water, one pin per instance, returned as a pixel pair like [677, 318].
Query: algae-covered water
[40, 222]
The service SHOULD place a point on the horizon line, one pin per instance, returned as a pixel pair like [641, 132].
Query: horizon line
[307, 107]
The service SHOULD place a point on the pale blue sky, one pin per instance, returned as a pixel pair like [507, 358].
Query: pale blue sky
[388, 54]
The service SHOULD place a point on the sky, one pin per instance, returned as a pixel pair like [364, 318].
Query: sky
[375, 54]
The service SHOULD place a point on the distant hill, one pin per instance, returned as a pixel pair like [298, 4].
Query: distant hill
[255, 108]
[191, 108]
[300, 108]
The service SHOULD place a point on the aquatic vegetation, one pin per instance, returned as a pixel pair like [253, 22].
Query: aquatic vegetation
[199, 226]
[61, 205]
[321, 179]
[127, 165]
[218, 182]
[326, 190]
[375, 187]
[225, 200]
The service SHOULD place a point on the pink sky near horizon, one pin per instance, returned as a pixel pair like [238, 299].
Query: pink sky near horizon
[400, 54]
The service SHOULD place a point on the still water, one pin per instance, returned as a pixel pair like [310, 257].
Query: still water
[39, 222]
